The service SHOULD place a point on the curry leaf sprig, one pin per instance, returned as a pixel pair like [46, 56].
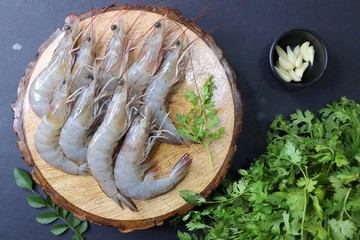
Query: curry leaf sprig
[305, 186]
[23, 180]
[200, 123]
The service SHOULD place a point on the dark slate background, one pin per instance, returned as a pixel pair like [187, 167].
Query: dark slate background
[243, 29]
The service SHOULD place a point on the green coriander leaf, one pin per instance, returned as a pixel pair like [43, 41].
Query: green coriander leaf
[303, 120]
[181, 119]
[295, 201]
[340, 190]
[309, 184]
[292, 227]
[36, 202]
[316, 204]
[23, 179]
[218, 134]
[191, 97]
[342, 229]
[196, 226]
[314, 226]
[184, 236]
[292, 152]
[187, 216]
[357, 158]
[59, 229]
[239, 187]
[354, 200]
[340, 159]
[82, 227]
[47, 217]
[192, 197]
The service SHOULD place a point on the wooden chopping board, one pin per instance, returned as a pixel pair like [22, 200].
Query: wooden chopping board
[82, 195]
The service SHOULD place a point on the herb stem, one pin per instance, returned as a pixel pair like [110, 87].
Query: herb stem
[303, 214]
[206, 145]
[57, 214]
[344, 204]
[228, 200]
[332, 160]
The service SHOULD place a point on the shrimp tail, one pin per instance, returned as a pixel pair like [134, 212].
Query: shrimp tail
[181, 168]
[121, 198]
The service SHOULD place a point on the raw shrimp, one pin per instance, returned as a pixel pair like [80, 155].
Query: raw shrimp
[160, 84]
[114, 58]
[103, 143]
[84, 59]
[48, 131]
[148, 60]
[129, 171]
[42, 88]
[74, 134]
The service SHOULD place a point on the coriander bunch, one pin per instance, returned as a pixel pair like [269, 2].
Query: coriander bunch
[200, 123]
[305, 186]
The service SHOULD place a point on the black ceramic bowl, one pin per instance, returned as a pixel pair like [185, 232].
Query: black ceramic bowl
[296, 37]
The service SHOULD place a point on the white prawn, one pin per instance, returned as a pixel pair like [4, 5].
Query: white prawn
[104, 142]
[84, 59]
[148, 60]
[129, 171]
[115, 57]
[48, 131]
[74, 136]
[42, 88]
[160, 85]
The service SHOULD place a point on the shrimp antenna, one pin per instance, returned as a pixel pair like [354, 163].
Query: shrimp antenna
[75, 94]
[124, 58]
[123, 11]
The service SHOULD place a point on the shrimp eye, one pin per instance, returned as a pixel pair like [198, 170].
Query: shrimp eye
[67, 27]
[89, 39]
[113, 27]
[157, 24]
[177, 43]
[64, 81]
[136, 112]
[89, 76]
[120, 82]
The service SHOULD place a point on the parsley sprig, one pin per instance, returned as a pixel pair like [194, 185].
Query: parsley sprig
[305, 186]
[200, 123]
[23, 180]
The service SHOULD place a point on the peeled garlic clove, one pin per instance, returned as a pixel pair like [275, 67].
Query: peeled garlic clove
[280, 52]
[300, 71]
[311, 53]
[297, 51]
[293, 76]
[284, 64]
[277, 64]
[299, 61]
[304, 51]
[283, 74]
[291, 56]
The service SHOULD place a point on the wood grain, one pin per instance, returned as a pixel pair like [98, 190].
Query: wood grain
[81, 195]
